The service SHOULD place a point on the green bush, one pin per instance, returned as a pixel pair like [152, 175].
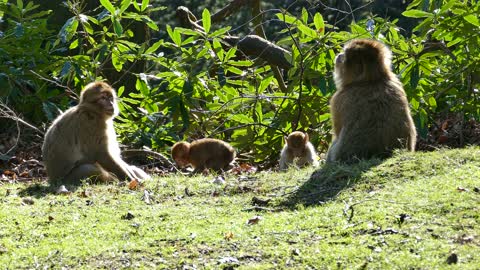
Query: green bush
[194, 85]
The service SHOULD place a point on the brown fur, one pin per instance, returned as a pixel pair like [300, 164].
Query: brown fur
[204, 154]
[81, 143]
[370, 110]
[297, 150]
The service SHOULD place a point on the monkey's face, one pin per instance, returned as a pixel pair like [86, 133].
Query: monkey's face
[106, 101]
[100, 98]
[296, 143]
[181, 154]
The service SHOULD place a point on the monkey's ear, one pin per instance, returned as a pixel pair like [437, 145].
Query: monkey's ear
[285, 139]
[306, 138]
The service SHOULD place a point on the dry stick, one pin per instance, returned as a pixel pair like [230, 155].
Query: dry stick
[229, 9]
[6, 112]
[256, 46]
[67, 89]
[143, 152]
[257, 20]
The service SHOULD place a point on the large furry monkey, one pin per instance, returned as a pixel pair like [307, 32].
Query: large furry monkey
[81, 143]
[298, 150]
[370, 110]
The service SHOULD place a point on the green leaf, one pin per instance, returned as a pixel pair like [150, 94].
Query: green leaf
[186, 31]
[220, 31]
[265, 83]
[174, 35]
[116, 61]
[415, 76]
[415, 13]
[108, 5]
[432, 102]
[241, 118]
[206, 20]
[20, 4]
[304, 15]
[218, 48]
[65, 69]
[307, 30]
[235, 70]
[287, 18]
[154, 47]
[143, 87]
[120, 91]
[117, 26]
[472, 19]
[415, 103]
[144, 4]
[231, 53]
[73, 45]
[319, 23]
[324, 117]
[124, 5]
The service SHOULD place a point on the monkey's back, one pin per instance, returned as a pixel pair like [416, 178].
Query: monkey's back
[376, 119]
[211, 153]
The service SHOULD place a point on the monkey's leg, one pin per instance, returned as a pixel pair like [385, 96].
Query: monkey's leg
[331, 154]
[90, 171]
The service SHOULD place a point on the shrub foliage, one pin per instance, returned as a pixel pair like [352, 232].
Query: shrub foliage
[194, 85]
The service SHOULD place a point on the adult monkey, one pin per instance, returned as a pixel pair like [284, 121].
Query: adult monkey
[370, 110]
[81, 143]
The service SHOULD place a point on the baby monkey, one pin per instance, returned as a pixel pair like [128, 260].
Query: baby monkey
[204, 154]
[298, 150]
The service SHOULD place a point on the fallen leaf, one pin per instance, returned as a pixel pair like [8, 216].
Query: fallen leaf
[254, 220]
[244, 168]
[462, 189]
[228, 236]
[134, 184]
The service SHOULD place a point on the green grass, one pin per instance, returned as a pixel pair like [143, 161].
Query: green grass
[412, 211]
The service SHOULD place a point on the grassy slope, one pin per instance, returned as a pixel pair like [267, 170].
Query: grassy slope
[411, 211]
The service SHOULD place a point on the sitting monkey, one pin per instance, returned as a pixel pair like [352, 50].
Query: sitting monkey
[298, 148]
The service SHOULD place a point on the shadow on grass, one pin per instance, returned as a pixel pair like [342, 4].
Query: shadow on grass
[326, 183]
[37, 190]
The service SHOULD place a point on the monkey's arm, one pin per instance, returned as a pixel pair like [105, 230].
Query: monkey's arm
[285, 159]
[116, 166]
